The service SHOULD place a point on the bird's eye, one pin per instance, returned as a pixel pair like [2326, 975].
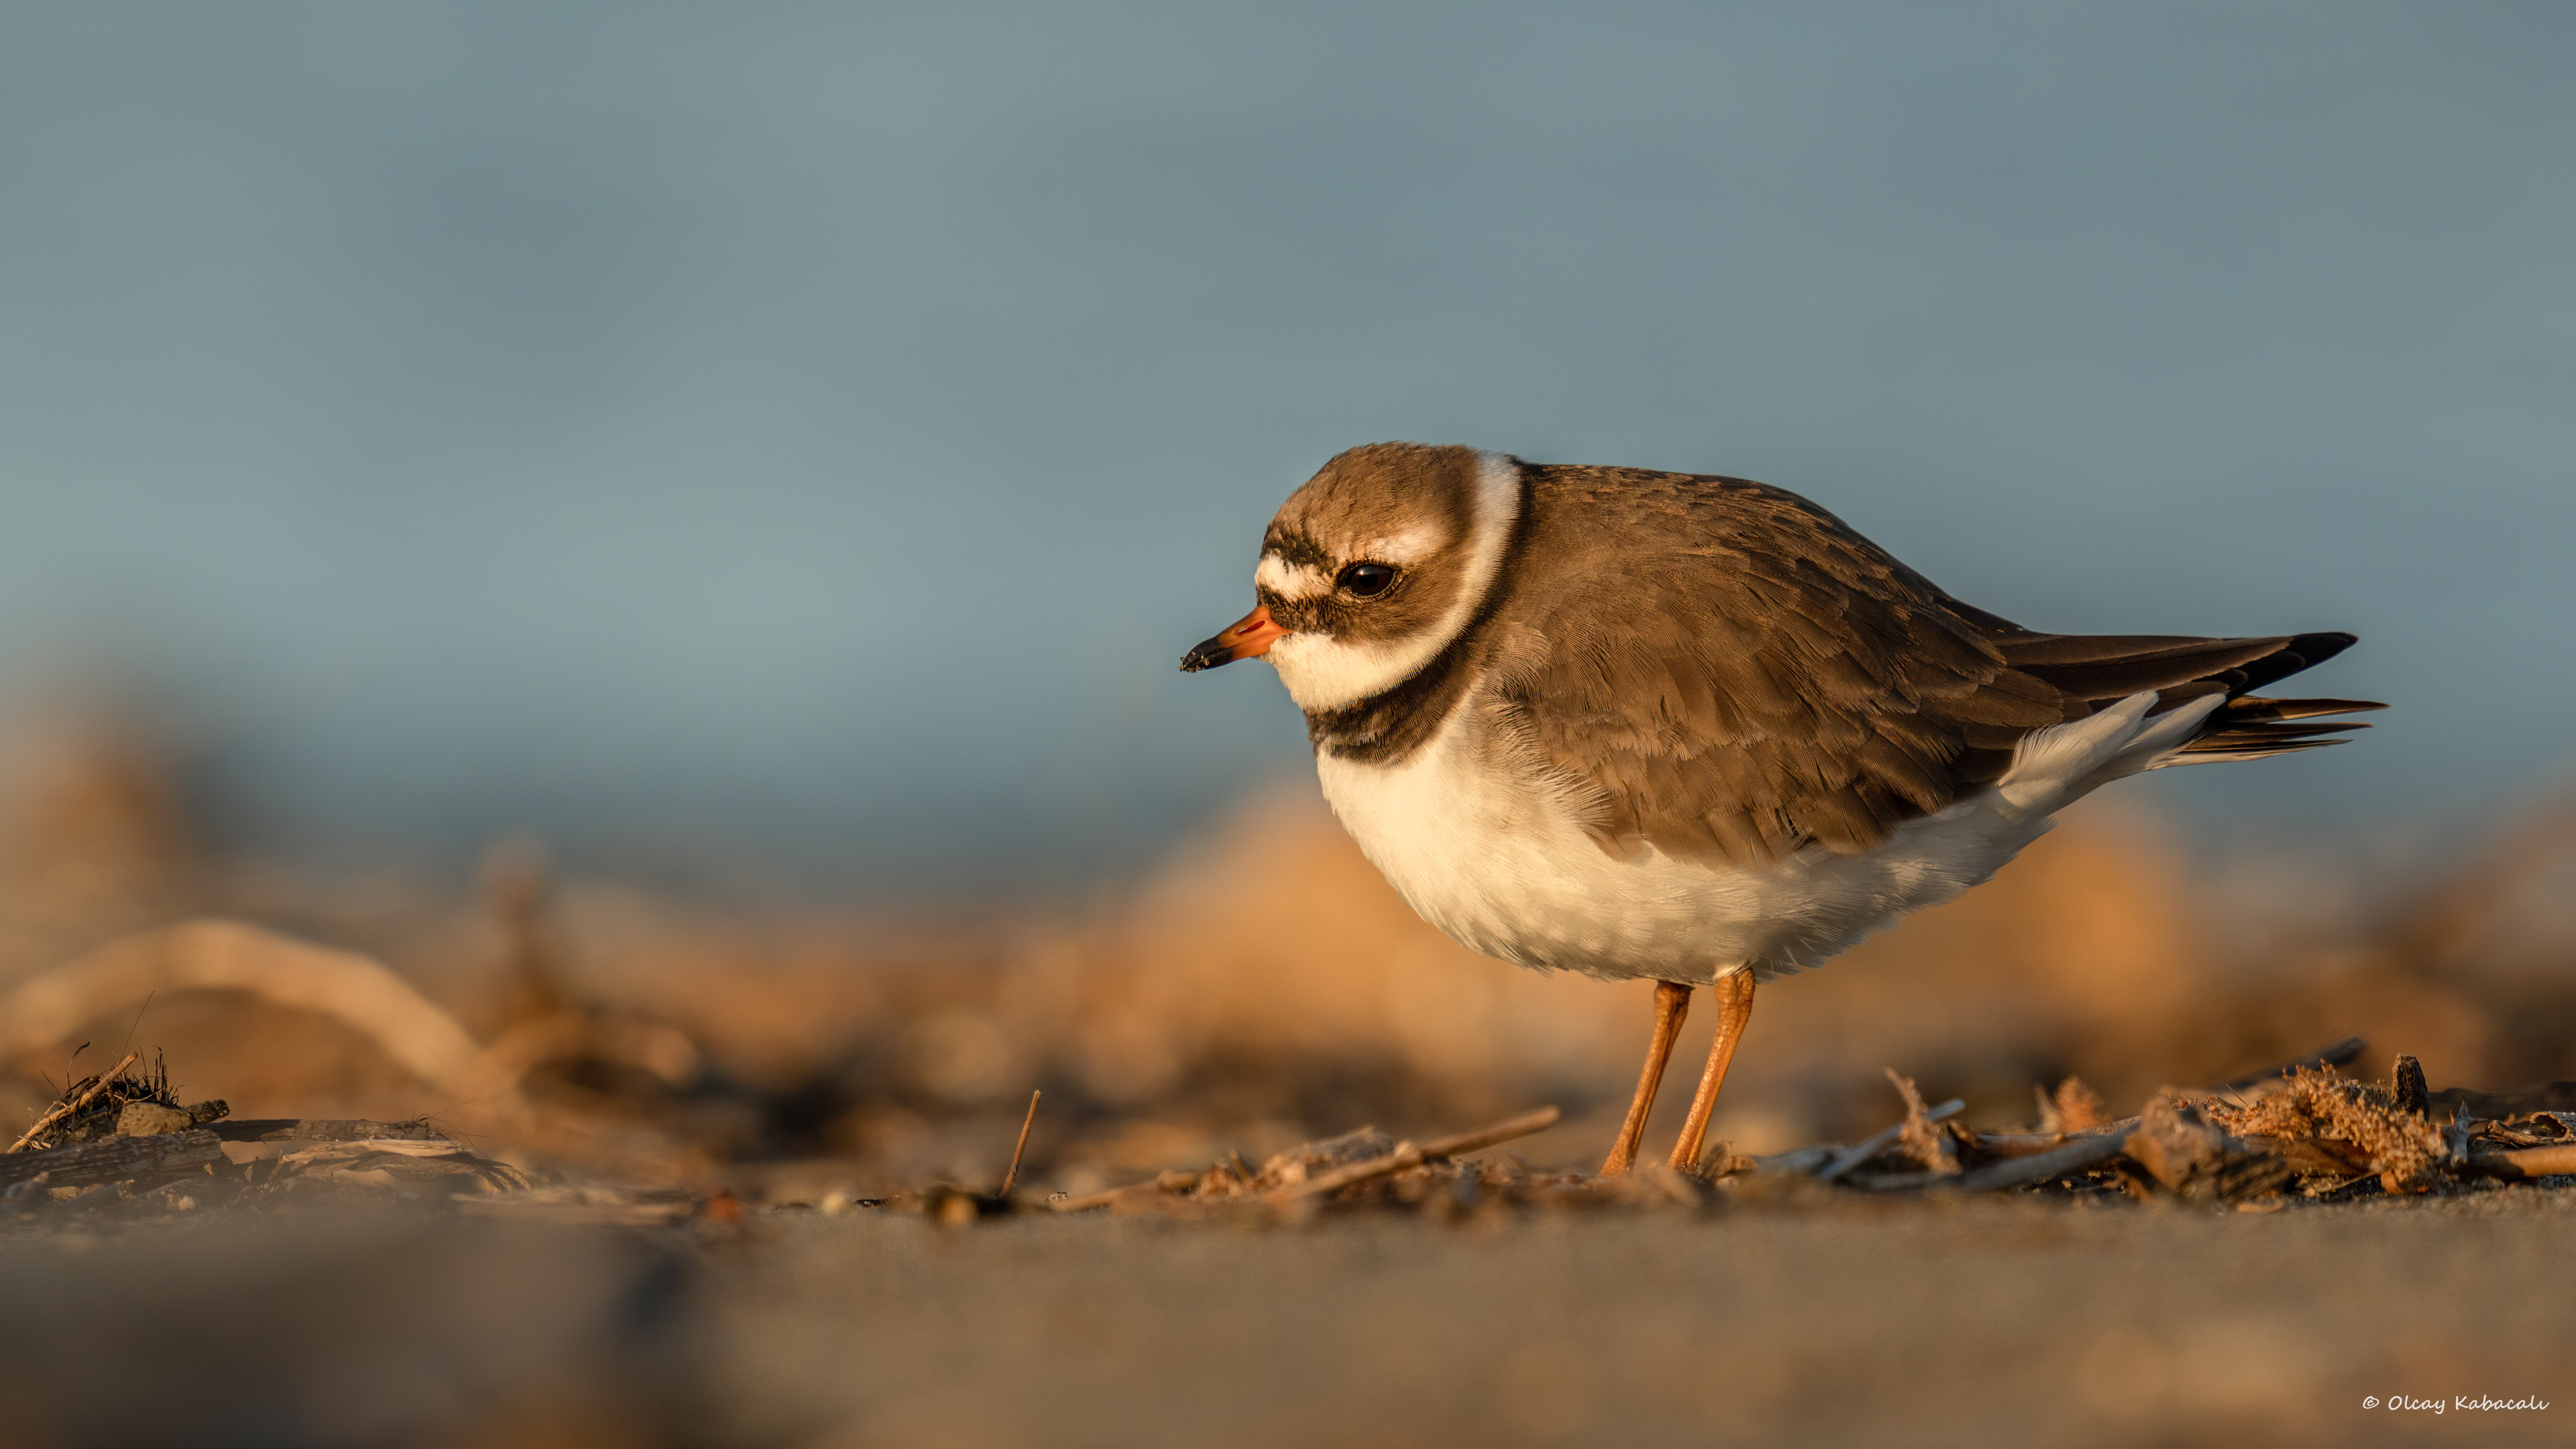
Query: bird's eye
[1368, 580]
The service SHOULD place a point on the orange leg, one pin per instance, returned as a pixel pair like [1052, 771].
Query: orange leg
[1672, 1003]
[1734, 994]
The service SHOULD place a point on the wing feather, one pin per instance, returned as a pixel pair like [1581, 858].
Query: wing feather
[1765, 678]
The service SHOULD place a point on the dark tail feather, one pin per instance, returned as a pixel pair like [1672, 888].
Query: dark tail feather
[2250, 727]
[2254, 741]
[2097, 670]
[2102, 669]
[2255, 707]
[2302, 651]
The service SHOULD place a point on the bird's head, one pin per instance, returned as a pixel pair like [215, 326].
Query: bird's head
[1371, 568]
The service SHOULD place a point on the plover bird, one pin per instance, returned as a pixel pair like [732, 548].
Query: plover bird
[1694, 729]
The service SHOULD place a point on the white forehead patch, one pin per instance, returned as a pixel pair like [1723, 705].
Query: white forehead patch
[1290, 581]
[1323, 673]
[1411, 546]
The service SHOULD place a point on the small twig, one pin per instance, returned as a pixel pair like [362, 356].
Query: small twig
[2023, 1144]
[1797, 1160]
[138, 1020]
[2087, 1151]
[66, 1109]
[1407, 1154]
[1013, 1175]
[1484, 1137]
[1168, 1182]
[2522, 1162]
[1852, 1157]
[2538, 1097]
[2333, 1056]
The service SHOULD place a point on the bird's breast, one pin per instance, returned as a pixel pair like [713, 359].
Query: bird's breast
[1481, 846]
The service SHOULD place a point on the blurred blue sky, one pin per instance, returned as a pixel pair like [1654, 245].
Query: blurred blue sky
[819, 429]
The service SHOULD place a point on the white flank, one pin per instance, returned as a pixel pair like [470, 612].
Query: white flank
[1485, 847]
[1323, 673]
[2055, 767]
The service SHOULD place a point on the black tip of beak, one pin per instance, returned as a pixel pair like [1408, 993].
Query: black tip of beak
[1207, 654]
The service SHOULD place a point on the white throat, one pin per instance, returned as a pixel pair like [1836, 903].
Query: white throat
[1323, 673]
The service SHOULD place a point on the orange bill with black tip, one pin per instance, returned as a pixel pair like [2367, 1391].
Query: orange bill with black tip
[1245, 638]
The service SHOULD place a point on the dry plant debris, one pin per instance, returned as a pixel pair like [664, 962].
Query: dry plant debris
[2299, 1132]
[119, 1139]
[2354, 1125]
[138, 1105]
[121, 1142]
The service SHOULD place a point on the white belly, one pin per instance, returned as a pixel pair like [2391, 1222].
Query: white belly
[1500, 865]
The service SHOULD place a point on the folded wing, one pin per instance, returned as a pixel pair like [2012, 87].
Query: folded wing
[1775, 680]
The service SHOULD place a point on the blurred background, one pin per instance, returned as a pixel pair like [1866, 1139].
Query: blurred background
[689, 514]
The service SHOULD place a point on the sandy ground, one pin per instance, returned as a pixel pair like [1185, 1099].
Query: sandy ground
[1266, 990]
[1795, 1322]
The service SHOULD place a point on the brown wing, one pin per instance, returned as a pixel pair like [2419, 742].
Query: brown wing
[1765, 677]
